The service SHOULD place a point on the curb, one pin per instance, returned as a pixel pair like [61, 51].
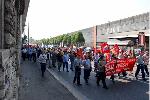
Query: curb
[77, 94]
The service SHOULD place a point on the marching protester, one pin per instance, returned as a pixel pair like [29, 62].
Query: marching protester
[30, 50]
[77, 66]
[146, 62]
[72, 58]
[42, 59]
[140, 66]
[24, 53]
[112, 77]
[59, 60]
[54, 58]
[34, 54]
[100, 73]
[96, 57]
[49, 57]
[65, 61]
[121, 56]
[87, 68]
[39, 51]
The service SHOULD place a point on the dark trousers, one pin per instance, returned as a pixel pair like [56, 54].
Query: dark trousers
[43, 68]
[112, 77]
[34, 57]
[72, 65]
[59, 65]
[140, 67]
[77, 75]
[101, 76]
[86, 74]
[23, 56]
[146, 69]
[65, 64]
[30, 57]
[54, 63]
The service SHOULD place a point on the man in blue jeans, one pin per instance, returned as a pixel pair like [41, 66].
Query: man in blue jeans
[140, 66]
[65, 61]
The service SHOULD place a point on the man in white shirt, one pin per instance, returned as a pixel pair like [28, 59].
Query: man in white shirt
[24, 52]
[87, 69]
[77, 66]
[42, 59]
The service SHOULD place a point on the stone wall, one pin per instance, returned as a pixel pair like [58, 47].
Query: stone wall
[10, 37]
[8, 79]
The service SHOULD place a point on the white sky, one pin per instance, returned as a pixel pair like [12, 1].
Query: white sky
[54, 17]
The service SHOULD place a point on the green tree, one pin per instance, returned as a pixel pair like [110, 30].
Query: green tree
[73, 38]
[80, 38]
[65, 38]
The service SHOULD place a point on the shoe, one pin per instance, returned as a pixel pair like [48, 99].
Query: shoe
[67, 71]
[79, 84]
[113, 81]
[144, 79]
[105, 87]
[86, 83]
[98, 85]
[136, 78]
[147, 75]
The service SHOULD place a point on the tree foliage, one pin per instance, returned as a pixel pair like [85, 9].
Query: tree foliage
[67, 39]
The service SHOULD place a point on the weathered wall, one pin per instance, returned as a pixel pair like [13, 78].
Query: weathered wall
[114, 28]
[10, 36]
[8, 79]
[134, 23]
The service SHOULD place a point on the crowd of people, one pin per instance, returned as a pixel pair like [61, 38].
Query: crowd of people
[59, 58]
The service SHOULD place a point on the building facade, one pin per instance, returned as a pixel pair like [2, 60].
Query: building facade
[12, 21]
[119, 31]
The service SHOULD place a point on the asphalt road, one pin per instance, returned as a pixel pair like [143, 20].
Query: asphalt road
[124, 88]
[34, 87]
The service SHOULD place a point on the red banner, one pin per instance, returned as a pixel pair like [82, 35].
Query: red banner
[119, 65]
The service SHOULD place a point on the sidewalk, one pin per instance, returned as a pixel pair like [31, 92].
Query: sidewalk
[123, 89]
[34, 87]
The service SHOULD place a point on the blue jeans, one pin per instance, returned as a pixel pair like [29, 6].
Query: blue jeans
[72, 65]
[65, 64]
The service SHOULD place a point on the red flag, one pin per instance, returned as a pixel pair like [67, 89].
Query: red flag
[105, 47]
[115, 49]
[107, 57]
[79, 52]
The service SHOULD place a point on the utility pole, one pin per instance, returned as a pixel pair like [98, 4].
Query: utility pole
[96, 36]
[28, 34]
